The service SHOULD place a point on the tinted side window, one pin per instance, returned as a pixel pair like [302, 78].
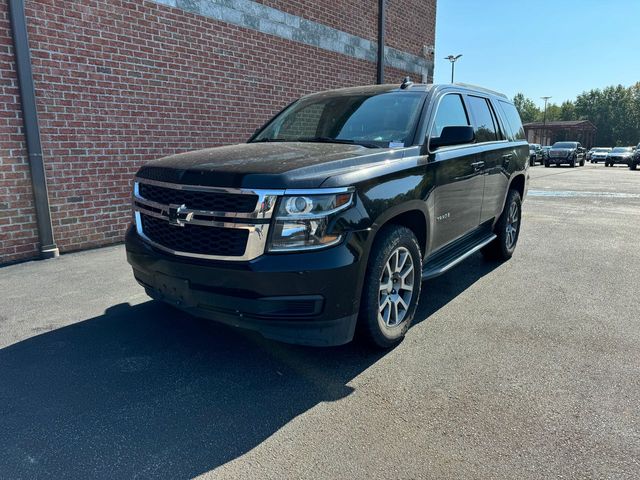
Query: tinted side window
[484, 124]
[513, 124]
[451, 113]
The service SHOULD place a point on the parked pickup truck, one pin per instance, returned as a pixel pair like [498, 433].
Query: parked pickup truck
[328, 219]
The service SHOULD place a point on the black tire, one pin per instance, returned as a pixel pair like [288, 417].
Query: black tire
[532, 162]
[504, 245]
[632, 166]
[546, 164]
[371, 323]
[572, 163]
[582, 163]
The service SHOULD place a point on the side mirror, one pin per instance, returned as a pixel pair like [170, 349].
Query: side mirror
[458, 135]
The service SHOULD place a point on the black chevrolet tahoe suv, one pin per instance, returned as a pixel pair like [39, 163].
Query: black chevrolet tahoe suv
[327, 220]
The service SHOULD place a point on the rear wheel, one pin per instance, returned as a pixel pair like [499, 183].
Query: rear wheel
[632, 166]
[507, 229]
[392, 287]
[546, 164]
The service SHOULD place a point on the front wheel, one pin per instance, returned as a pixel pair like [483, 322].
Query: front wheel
[632, 166]
[507, 229]
[582, 163]
[546, 164]
[391, 288]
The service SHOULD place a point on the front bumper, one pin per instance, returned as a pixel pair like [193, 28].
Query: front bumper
[304, 298]
[619, 160]
[558, 160]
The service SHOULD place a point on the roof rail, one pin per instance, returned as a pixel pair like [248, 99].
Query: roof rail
[486, 90]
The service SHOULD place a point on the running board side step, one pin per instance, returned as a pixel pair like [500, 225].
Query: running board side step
[450, 257]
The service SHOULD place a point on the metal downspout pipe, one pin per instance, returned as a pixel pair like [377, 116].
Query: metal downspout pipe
[48, 248]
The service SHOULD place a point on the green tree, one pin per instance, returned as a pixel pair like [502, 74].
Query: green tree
[553, 113]
[568, 111]
[615, 111]
[528, 110]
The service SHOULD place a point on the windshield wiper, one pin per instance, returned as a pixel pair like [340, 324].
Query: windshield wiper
[338, 140]
[266, 139]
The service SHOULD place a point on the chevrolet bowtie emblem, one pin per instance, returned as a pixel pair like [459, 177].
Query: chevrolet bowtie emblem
[178, 215]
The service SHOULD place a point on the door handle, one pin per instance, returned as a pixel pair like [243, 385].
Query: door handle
[477, 165]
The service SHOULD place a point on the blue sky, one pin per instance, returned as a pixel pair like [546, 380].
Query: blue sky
[559, 48]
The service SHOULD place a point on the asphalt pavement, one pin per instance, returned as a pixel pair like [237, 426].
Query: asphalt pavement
[528, 369]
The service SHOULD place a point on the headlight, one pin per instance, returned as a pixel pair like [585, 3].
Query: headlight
[303, 221]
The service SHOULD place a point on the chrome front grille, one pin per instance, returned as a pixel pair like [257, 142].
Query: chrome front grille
[203, 222]
[198, 200]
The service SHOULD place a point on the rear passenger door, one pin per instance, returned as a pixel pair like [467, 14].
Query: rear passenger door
[459, 181]
[493, 152]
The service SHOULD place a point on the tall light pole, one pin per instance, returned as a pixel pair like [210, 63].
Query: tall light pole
[544, 119]
[452, 59]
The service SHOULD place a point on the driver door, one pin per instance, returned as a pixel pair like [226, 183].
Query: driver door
[459, 179]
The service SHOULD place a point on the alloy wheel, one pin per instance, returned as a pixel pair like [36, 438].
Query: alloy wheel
[396, 287]
[512, 225]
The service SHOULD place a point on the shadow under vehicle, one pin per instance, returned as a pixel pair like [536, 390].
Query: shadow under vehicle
[147, 391]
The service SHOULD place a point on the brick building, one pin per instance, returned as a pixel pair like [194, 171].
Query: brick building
[548, 133]
[121, 82]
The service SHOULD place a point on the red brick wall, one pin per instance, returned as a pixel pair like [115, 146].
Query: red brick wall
[356, 17]
[18, 234]
[410, 25]
[119, 83]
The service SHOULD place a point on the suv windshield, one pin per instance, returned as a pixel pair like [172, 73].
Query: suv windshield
[622, 149]
[564, 145]
[373, 120]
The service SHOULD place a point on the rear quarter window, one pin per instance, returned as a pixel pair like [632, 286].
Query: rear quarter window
[513, 124]
[484, 124]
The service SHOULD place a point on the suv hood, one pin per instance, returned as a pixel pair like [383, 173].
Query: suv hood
[266, 165]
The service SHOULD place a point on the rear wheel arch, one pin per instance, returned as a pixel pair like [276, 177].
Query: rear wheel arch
[518, 184]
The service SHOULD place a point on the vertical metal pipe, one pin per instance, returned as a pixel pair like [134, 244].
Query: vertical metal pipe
[48, 248]
[381, 22]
